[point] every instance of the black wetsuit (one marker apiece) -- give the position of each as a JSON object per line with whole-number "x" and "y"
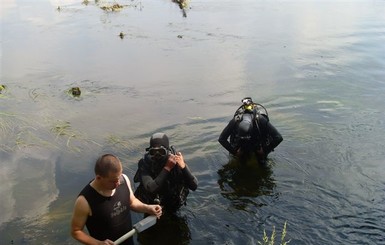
{"x": 264, "y": 135}
{"x": 111, "y": 216}
{"x": 157, "y": 185}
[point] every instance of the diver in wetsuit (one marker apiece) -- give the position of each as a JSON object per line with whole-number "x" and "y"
{"x": 163, "y": 175}
{"x": 250, "y": 132}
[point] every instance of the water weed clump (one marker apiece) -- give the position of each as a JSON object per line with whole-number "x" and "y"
{"x": 112, "y": 8}
{"x": 2, "y": 88}
{"x": 75, "y": 91}
{"x": 271, "y": 240}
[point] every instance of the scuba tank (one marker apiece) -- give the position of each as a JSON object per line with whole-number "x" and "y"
{"x": 245, "y": 127}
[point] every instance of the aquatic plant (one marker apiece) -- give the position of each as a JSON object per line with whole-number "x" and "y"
{"x": 183, "y": 4}
{"x": 19, "y": 132}
{"x": 113, "y": 8}
{"x": 64, "y": 129}
{"x": 26, "y": 137}
{"x": 75, "y": 91}
{"x": 271, "y": 240}
{"x": 5, "y": 124}
{"x": 2, "y": 88}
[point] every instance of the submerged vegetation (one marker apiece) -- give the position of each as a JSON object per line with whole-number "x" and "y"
{"x": 18, "y": 133}
{"x": 64, "y": 129}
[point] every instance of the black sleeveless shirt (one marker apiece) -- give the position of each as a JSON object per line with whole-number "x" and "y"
{"x": 111, "y": 216}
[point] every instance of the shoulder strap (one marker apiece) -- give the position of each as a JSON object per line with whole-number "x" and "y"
{"x": 239, "y": 113}
{"x": 256, "y": 119}
{"x": 124, "y": 179}
{"x": 261, "y": 110}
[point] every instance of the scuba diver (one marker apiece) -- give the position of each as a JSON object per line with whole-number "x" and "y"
{"x": 163, "y": 175}
{"x": 250, "y": 132}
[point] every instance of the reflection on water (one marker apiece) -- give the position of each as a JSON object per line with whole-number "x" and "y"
{"x": 241, "y": 180}
{"x": 28, "y": 183}
{"x": 170, "y": 229}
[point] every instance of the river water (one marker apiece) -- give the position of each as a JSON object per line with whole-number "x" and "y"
{"x": 317, "y": 66}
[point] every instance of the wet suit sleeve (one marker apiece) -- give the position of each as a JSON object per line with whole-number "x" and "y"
{"x": 153, "y": 185}
{"x": 272, "y": 134}
{"x": 191, "y": 181}
{"x": 223, "y": 138}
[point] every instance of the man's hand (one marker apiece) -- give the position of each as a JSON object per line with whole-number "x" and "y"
{"x": 171, "y": 162}
{"x": 155, "y": 210}
{"x": 180, "y": 160}
{"x": 106, "y": 242}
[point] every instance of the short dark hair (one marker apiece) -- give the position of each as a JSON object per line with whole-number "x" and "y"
{"x": 107, "y": 163}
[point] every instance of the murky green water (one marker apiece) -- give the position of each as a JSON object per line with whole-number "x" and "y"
{"x": 318, "y": 67}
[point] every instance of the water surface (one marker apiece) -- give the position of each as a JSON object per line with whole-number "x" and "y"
{"x": 317, "y": 66}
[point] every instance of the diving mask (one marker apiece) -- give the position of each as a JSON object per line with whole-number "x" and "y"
{"x": 158, "y": 151}
{"x": 247, "y": 101}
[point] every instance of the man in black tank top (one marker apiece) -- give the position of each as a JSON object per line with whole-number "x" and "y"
{"x": 104, "y": 205}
